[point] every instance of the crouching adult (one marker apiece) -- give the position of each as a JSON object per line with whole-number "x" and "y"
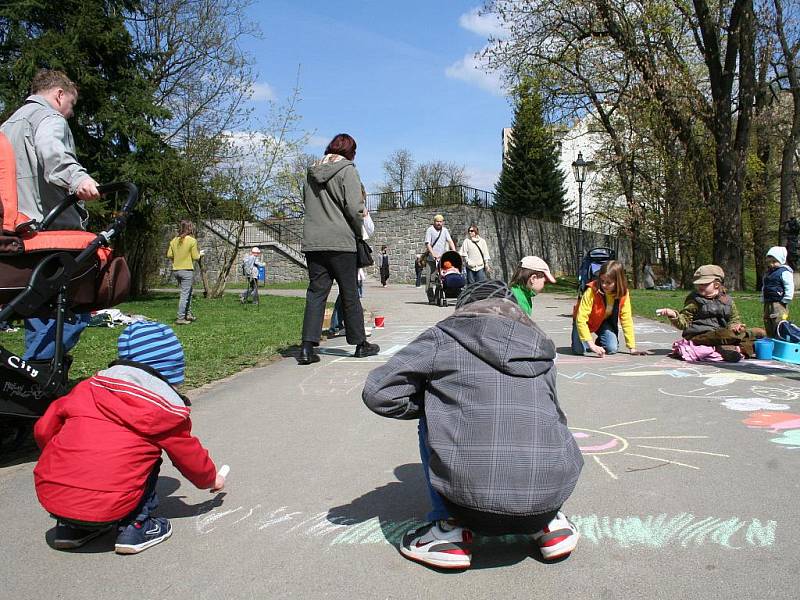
{"x": 496, "y": 452}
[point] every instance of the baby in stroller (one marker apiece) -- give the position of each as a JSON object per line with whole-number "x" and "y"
{"x": 448, "y": 280}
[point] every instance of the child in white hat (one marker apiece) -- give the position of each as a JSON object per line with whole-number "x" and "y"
{"x": 250, "y": 265}
{"x": 778, "y": 289}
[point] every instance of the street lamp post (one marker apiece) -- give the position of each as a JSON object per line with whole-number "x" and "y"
{"x": 579, "y": 169}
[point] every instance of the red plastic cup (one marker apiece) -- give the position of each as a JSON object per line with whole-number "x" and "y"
{"x": 379, "y": 322}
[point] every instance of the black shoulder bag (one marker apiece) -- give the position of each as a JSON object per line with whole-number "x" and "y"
{"x": 363, "y": 249}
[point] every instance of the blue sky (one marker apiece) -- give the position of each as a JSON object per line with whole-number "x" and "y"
{"x": 393, "y": 75}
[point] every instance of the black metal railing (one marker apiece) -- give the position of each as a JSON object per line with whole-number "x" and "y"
{"x": 436, "y": 196}
{"x": 276, "y": 232}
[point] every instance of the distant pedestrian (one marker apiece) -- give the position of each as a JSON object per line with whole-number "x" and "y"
{"x": 183, "y": 251}
{"x": 437, "y": 241}
{"x": 649, "y": 280}
{"x": 419, "y": 266}
{"x": 250, "y": 270}
{"x": 384, "y": 266}
{"x": 476, "y": 255}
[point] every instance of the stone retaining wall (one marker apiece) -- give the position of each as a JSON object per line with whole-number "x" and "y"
{"x": 508, "y": 237}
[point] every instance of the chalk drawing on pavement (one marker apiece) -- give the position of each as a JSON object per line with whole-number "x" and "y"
{"x": 683, "y": 530}
{"x": 787, "y": 424}
{"x": 599, "y": 443}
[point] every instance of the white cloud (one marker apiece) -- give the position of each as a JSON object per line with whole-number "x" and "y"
{"x": 262, "y": 92}
{"x": 318, "y": 141}
{"x": 472, "y": 70}
{"x": 486, "y": 25}
{"x": 483, "y": 179}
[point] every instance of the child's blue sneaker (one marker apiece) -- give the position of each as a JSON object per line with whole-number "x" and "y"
{"x": 140, "y": 536}
{"x": 69, "y": 537}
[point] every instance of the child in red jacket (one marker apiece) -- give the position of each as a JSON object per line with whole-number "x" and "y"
{"x": 101, "y": 445}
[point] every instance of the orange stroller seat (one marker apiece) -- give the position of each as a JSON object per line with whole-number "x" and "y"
{"x": 23, "y": 245}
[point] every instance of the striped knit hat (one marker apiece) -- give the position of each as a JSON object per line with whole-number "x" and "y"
{"x": 155, "y": 345}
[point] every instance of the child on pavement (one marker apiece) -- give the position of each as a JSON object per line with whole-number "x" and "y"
{"x": 528, "y": 280}
{"x": 496, "y": 451}
{"x": 777, "y": 290}
{"x": 603, "y": 307}
{"x": 101, "y": 445}
{"x": 250, "y": 265}
{"x": 710, "y": 318}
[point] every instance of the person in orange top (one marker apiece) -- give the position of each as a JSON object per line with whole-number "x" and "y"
{"x": 604, "y": 305}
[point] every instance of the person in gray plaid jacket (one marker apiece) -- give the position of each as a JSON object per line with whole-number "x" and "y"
{"x": 482, "y": 383}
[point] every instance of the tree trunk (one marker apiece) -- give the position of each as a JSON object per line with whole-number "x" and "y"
{"x": 791, "y": 141}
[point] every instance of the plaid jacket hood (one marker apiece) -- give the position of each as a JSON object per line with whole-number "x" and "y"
{"x": 512, "y": 344}
{"x": 484, "y": 379}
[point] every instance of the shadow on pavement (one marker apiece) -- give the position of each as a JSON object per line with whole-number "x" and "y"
{"x": 398, "y": 506}
{"x": 171, "y": 507}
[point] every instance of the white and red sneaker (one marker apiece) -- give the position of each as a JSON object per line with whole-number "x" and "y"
{"x": 558, "y": 538}
{"x": 445, "y": 546}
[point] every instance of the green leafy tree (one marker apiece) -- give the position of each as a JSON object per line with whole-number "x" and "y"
{"x": 531, "y": 183}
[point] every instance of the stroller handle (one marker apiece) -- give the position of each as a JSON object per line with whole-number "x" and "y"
{"x": 109, "y": 188}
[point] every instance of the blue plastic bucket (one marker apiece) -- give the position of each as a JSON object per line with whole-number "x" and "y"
{"x": 764, "y": 348}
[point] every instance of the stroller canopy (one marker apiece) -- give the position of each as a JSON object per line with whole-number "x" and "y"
{"x": 591, "y": 264}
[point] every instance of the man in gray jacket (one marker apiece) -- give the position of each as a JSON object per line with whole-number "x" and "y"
{"x": 47, "y": 171}
{"x": 496, "y": 451}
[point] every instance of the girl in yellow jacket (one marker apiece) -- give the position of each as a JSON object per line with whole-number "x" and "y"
{"x": 604, "y": 305}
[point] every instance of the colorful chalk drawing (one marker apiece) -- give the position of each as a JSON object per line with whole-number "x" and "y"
{"x": 682, "y": 530}
{"x": 772, "y": 396}
{"x": 599, "y": 442}
{"x": 788, "y": 423}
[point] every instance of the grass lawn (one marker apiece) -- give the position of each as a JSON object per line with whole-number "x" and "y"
{"x": 285, "y": 285}
{"x": 226, "y": 338}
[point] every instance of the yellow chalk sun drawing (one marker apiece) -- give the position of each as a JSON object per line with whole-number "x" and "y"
{"x": 600, "y": 442}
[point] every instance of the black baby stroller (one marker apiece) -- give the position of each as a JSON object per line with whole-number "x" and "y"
{"x": 590, "y": 266}
{"x": 444, "y": 286}
{"x": 49, "y": 274}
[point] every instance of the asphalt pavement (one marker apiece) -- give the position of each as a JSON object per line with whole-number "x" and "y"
{"x": 690, "y": 487}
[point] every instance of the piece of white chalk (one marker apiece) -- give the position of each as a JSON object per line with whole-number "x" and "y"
{"x": 224, "y": 470}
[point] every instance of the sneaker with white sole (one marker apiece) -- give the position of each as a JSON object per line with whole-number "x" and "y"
{"x": 69, "y": 537}
{"x": 447, "y": 548}
{"x": 558, "y": 538}
{"x": 140, "y": 536}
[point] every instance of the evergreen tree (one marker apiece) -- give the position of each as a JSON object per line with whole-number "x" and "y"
{"x": 531, "y": 183}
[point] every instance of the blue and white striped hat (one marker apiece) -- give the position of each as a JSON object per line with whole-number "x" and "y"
{"x": 155, "y": 345}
